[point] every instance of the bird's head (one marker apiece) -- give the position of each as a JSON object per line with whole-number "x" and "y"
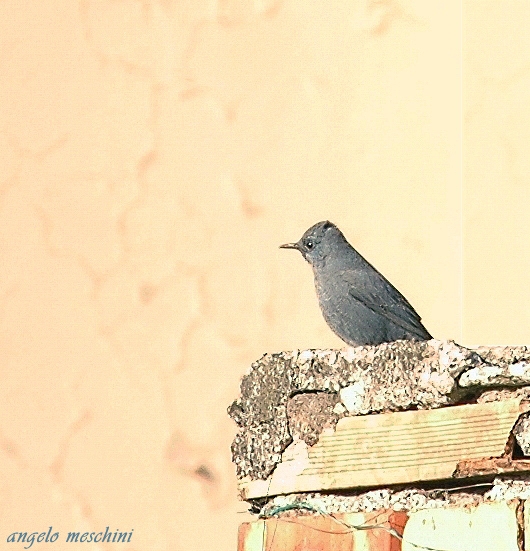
{"x": 318, "y": 242}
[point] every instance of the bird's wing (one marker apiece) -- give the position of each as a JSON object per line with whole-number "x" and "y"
{"x": 376, "y": 293}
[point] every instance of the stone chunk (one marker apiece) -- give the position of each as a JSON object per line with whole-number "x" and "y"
{"x": 521, "y": 430}
{"x": 516, "y": 374}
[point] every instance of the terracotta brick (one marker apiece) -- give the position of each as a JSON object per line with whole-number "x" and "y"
{"x": 324, "y": 533}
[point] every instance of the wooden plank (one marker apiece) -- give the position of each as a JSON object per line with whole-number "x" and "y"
{"x": 393, "y": 448}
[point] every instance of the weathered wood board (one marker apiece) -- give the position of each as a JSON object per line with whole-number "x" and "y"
{"x": 393, "y": 448}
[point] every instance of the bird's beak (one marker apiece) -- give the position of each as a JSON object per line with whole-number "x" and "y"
{"x": 290, "y": 246}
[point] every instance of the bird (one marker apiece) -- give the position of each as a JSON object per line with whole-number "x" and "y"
{"x": 358, "y": 303}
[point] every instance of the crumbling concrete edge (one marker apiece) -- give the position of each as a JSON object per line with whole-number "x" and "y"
{"x": 443, "y": 373}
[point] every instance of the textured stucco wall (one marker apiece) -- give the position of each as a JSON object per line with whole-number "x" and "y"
{"x": 154, "y": 154}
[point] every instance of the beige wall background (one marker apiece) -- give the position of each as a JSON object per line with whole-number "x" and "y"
{"x": 154, "y": 154}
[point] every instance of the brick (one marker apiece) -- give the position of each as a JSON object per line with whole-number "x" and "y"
{"x": 324, "y": 533}
{"x": 487, "y": 527}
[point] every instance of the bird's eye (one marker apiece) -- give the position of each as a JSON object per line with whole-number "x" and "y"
{"x": 309, "y": 244}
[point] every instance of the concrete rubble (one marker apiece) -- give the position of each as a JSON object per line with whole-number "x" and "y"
{"x": 412, "y": 499}
{"x": 295, "y": 395}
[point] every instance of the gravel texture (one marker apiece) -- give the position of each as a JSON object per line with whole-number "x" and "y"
{"x": 521, "y": 430}
{"x": 413, "y": 499}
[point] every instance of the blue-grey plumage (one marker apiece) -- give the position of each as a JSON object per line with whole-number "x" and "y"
{"x": 358, "y": 303}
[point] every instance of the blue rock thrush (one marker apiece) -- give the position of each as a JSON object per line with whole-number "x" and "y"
{"x": 359, "y": 304}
